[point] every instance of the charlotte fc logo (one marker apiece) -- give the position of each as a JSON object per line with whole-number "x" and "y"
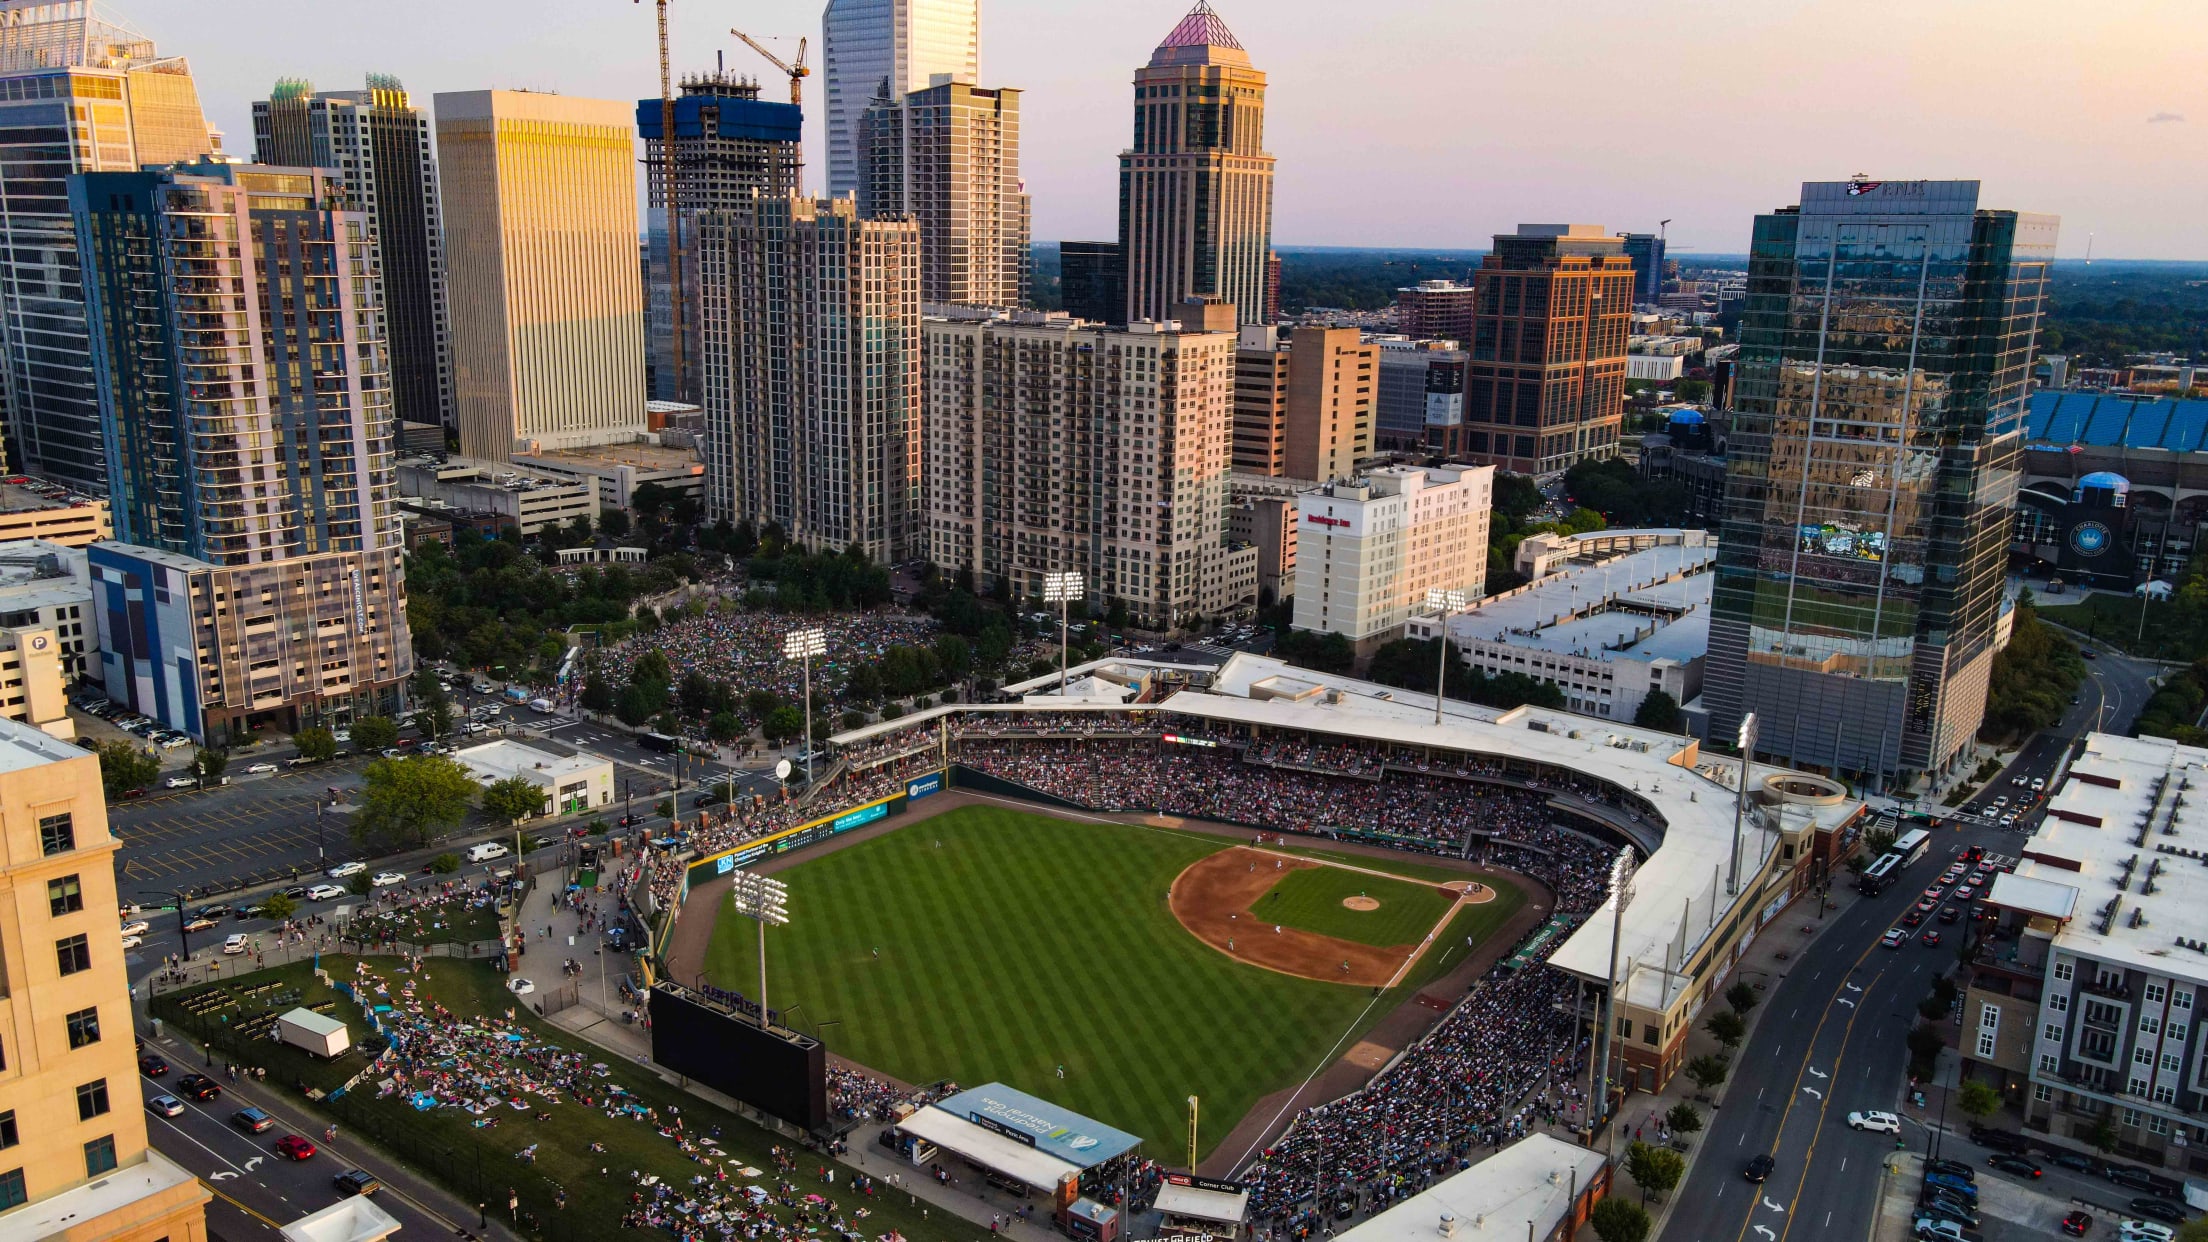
{"x": 2089, "y": 538}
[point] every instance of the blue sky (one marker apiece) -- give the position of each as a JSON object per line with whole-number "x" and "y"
{"x": 1406, "y": 123}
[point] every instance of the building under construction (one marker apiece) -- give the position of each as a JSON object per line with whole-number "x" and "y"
{"x": 729, "y": 145}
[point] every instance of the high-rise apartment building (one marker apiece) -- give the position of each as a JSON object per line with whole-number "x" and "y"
{"x": 256, "y": 573}
{"x": 1553, "y": 308}
{"x": 76, "y": 1163}
{"x": 1303, "y": 405}
{"x": 812, "y": 373}
{"x": 729, "y": 145}
{"x": 900, "y": 44}
{"x": 1879, "y": 401}
{"x": 949, "y": 157}
{"x": 78, "y": 93}
{"x": 1435, "y": 310}
{"x": 1059, "y": 446}
{"x": 379, "y": 141}
{"x": 539, "y": 195}
{"x": 1646, "y": 250}
{"x": 1092, "y": 281}
{"x": 1196, "y": 186}
{"x": 1368, "y": 549}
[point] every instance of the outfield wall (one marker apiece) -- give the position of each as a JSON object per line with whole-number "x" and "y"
{"x": 813, "y": 832}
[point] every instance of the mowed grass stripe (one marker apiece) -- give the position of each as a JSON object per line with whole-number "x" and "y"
{"x": 1027, "y": 941}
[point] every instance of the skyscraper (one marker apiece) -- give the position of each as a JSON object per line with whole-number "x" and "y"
{"x": 812, "y": 373}
{"x": 1885, "y": 353}
{"x": 540, "y": 230}
{"x": 78, "y": 93}
{"x": 729, "y": 145}
{"x": 900, "y": 45}
{"x": 1553, "y": 305}
{"x": 1196, "y": 188}
{"x": 1647, "y": 252}
{"x": 1092, "y": 281}
{"x": 379, "y": 141}
{"x": 1436, "y": 310}
{"x": 246, "y": 402}
{"x": 949, "y": 156}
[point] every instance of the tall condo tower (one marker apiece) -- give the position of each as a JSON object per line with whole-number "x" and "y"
{"x": 729, "y": 145}
{"x": 1196, "y": 189}
{"x": 379, "y": 142}
{"x": 897, "y": 45}
{"x": 1885, "y": 353}
{"x": 78, "y": 93}
{"x": 547, "y": 311}
{"x": 255, "y": 576}
{"x": 949, "y": 157}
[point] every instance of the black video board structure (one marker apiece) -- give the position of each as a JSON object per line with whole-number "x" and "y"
{"x": 778, "y": 1072}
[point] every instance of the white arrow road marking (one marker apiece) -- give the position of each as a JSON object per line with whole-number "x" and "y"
{"x": 220, "y": 1175}
{"x": 1818, "y": 1072}
{"x": 1853, "y": 988}
{"x": 1773, "y": 1206}
{"x": 1767, "y": 1233}
{"x": 252, "y": 1161}
{"x": 1814, "y": 1091}
{"x": 1845, "y": 1001}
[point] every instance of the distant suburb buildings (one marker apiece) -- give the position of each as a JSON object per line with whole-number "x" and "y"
{"x": 255, "y": 574}
{"x": 1879, "y": 402}
{"x": 547, "y": 307}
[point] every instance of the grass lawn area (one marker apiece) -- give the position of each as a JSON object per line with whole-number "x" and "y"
{"x": 455, "y": 923}
{"x": 1311, "y": 899}
{"x": 1012, "y": 943}
{"x": 477, "y": 1161}
{"x": 2114, "y": 619}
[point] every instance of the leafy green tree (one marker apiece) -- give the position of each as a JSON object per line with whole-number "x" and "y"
{"x": 407, "y": 803}
{"x": 1708, "y": 1071}
{"x": 1656, "y": 1170}
{"x": 782, "y": 724}
{"x": 597, "y": 693}
{"x": 1741, "y": 997}
{"x": 434, "y": 719}
{"x": 125, "y": 765}
{"x": 1684, "y": 1118}
{"x": 1978, "y": 1099}
{"x": 375, "y": 733}
{"x": 1729, "y": 1027}
{"x": 724, "y": 727}
{"x": 278, "y": 907}
{"x": 2195, "y": 1230}
{"x": 1619, "y": 1220}
{"x": 207, "y": 765}
{"x": 445, "y": 864}
{"x": 513, "y": 799}
{"x": 358, "y": 885}
{"x": 2102, "y": 1136}
{"x": 614, "y": 522}
{"x": 1660, "y": 711}
{"x": 315, "y": 742}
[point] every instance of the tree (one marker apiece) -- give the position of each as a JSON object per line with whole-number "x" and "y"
{"x": 1656, "y": 1170}
{"x": 434, "y": 719}
{"x": 375, "y": 733}
{"x": 597, "y": 694}
{"x": 124, "y": 766}
{"x": 410, "y": 802}
{"x": 1729, "y": 1027}
{"x": 1978, "y": 1099}
{"x": 724, "y": 727}
{"x": 1660, "y": 711}
{"x": 2103, "y": 1136}
{"x": 279, "y": 907}
{"x": 513, "y": 799}
{"x": 207, "y": 765}
{"x": 1685, "y": 1118}
{"x": 316, "y": 743}
{"x": 1741, "y": 997}
{"x": 445, "y": 864}
{"x": 782, "y": 724}
{"x": 614, "y": 522}
{"x": 1615, "y": 1219}
{"x": 1708, "y": 1071}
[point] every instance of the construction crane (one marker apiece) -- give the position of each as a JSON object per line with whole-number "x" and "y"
{"x": 671, "y": 201}
{"x": 797, "y": 72}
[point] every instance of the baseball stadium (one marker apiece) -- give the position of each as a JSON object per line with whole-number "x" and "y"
{"x": 1277, "y": 930}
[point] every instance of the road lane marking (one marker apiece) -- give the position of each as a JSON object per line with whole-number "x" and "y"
{"x": 1818, "y": 1072}
{"x": 1773, "y": 1206}
{"x": 1814, "y": 1091}
{"x": 1845, "y": 1001}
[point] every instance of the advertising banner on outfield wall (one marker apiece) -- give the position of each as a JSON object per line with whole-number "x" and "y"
{"x": 921, "y": 788}
{"x": 811, "y": 833}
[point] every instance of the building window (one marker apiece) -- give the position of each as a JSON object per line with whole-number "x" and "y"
{"x": 74, "y": 954}
{"x": 57, "y": 834}
{"x": 2158, "y": 1124}
{"x": 99, "y": 1156}
{"x": 2165, "y": 1095}
{"x": 2048, "y": 1063}
{"x": 2149, "y": 1024}
{"x": 2063, "y": 971}
{"x": 1985, "y": 1044}
{"x": 11, "y": 1190}
{"x": 2043, "y": 1093}
{"x": 2052, "y": 1033}
{"x": 2171, "y": 1062}
{"x": 64, "y": 896}
{"x": 9, "y": 1136}
{"x": 2142, "y": 1055}
{"x": 2175, "y": 1032}
{"x": 2137, "y": 1086}
{"x": 2058, "y": 1003}
{"x": 2156, "y": 992}
{"x": 2181, "y": 1000}
{"x": 84, "y": 1027}
{"x": 92, "y": 1099}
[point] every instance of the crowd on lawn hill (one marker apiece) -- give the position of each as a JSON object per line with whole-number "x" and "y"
{"x": 1509, "y": 1059}
{"x": 744, "y": 649}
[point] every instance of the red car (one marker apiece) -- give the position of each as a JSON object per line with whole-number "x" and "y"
{"x": 294, "y": 1147}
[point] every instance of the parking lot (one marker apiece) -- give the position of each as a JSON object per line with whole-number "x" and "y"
{"x": 257, "y": 828}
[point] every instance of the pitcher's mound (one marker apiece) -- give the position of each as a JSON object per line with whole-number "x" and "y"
{"x": 1361, "y": 902}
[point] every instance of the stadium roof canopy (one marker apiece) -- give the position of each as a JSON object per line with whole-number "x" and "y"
{"x": 1531, "y": 1181}
{"x": 989, "y": 1149}
{"x": 2117, "y": 420}
{"x": 1017, "y": 1134}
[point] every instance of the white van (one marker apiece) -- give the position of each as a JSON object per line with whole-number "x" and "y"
{"x": 487, "y": 851}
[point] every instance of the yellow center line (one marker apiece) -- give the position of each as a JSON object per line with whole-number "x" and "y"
{"x": 216, "y": 1191}
{"x": 1809, "y": 1158}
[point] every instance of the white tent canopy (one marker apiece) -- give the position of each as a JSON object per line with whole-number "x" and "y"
{"x": 988, "y": 1148}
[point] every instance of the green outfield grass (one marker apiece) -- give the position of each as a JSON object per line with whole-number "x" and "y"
{"x": 1312, "y": 898}
{"x": 1012, "y": 943}
{"x": 1393, "y": 865}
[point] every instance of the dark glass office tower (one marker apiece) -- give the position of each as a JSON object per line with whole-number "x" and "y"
{"x": 1885, "y": 345}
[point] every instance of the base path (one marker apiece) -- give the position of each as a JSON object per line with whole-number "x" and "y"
{"x": 1212, "y": 899}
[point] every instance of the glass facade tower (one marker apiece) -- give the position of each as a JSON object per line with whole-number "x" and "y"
{"x": 1885, "y": 348}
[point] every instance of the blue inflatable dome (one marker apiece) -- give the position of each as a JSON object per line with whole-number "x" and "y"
{"x": 2104, "y": 480}
{"x": 1689, "y": 417}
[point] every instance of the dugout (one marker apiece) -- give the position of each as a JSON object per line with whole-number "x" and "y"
{"x": 1021, "y": 1143}
{"x": 1194, "y": 1207}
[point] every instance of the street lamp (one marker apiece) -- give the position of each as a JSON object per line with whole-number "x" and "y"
{"x": 765, "y": 899}
{"x": 1443, "y": 603}
{"x": 1062, "y": 589}
{"x": 1747, "y": 743}
{"x": 804, "y": 645}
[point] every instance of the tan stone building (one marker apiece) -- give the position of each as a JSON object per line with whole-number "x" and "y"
{"x": 1368, "y": 550}
{"x": 547, "y": 306}
{"x": 34, "y": 509}
{"x": 74, "y": 1162}
{"x": 949, "y": 157}
{"x": 1304, "y": 403}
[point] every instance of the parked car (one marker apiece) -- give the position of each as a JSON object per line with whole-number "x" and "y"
{"x": 1946, "y": 1207}
{"x": 252, "y": 1120}
{"x": 344, "y": 869}
{"x": 324, "y": 892}
{"x": 166, "y": 1105}
{"x": 2144, "y": 1179}
{"x": 2012, "y": 1164}
{"x": 2080, "y": 1161}
{"x": 263, "y": 766}
{"x": 2000, "y": 1140}
{"x": 294, "y": 1147}
{"x": 2158, "y": 1209}
{"x": 2144, "y": 1231}
{"x": 1759, "y": 1168}
{"x": 1934, "y": 1228}
{"x": 356, "y": 1182}
{"x": 179, "y": 782}
{"x": 1968, "y": 1190}
{"x": 197, "y": 1087}
{"x": 1878, "y": 1122}
{"x": 1954, "y": 1168}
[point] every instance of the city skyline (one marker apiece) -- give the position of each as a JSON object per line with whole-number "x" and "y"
{"x": 2078, "y": 142}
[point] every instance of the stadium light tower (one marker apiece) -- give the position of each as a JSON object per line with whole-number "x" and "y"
{"x": 1621, "y": 892}
{"x": 1747, "y": 743}
{"x": 1062, "y": 589}
{"x": 1443, "y": 603}
{"x": 804, "y": 645}
{"x": 765, "y": 899}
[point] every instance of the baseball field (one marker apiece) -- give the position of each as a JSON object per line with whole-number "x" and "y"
{"x": 992, "y": 944}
